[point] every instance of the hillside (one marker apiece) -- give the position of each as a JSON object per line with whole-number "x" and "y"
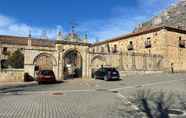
{"x": 174, "y": 16}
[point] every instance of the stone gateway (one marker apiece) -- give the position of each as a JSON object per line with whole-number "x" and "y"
{"x": 159, "y": 49}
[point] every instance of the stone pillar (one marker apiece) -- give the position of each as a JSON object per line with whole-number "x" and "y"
{"x": 59, "y": 53}
{"x": 89, "y": 71}
{"x": 28, "y": 60}
{"x": 86, "y": 70}
{"x": 59, "y": 68}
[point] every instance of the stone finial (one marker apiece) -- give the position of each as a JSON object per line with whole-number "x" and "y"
{"x": 59, "y": 36}
{"x": 85, "y": 38}
{"x": 30, "y": 34}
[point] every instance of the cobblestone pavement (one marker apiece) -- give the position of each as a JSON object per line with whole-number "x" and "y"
{"x": 82, "y": 99}
{"x": 77, "y": 105}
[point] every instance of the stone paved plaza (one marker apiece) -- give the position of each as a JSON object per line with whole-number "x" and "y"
{"x": 82, "y": 99}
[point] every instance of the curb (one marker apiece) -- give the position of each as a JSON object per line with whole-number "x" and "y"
{"x": 11, "y": 86}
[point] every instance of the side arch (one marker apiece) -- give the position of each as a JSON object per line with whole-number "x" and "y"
{"x": 45, "y": 61}
{"x": 97, "y": 61}
{"x": 98, "y": 57}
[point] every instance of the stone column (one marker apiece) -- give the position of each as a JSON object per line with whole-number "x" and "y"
{"x": 85, "y": 60}
{"x": 89, "y": 71}
{"x": 28, "y": 60}
{"x": 60, "y": 61}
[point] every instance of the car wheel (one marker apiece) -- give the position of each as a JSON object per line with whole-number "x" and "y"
{"x": 105, "y": 78}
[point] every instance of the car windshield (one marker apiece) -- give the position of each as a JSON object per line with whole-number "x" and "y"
{"x": 46, "y": 72}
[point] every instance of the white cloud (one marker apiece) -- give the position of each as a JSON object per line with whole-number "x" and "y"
{"x": 9, "y": 26}
{"x": 123, "y": 19}
{"x": 105, "y": 29}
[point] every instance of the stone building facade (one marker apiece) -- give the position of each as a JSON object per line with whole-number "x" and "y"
{"x": 159, "y": 48}
{"x": 156, "y": 49}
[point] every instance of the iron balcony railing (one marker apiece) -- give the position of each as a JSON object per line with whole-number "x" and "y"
{"x": 130, "y": 47}
{"x": 148, "y": 44}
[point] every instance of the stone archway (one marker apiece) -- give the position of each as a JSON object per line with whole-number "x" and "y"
{"x": 44, "y": 61}
{"x": 72, "y": 67}
{"x": 96, "y": 62}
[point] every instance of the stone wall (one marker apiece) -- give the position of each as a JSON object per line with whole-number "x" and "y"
{"x": 175, "y": 54}
{"x": 12, "y": 75}
{"x": 128, "y": 61}
{"x": 140, "y": 58}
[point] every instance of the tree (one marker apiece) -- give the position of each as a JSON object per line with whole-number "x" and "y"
{"x": 16, "y": 60}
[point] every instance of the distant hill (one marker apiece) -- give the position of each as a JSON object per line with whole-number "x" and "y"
{"x": 174, "y": 16}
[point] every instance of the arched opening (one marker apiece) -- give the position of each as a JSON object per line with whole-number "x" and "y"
{"x": 96, "y": 62}
{"x": 72, "y": 64}
{"x": 44, "y": 62}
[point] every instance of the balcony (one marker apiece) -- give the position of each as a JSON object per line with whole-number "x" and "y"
{"x": 115, "y": 51}
{"x": 182, "y": 43}
{"x": 130, "y": 47}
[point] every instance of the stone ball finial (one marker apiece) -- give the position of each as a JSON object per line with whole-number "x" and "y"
{"x": 30, "y": 34}
{"x": 59, "y": 36}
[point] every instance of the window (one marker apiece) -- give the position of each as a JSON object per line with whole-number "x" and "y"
{"x": 4, "y": 64}
{"x": 148, "y": 43}
{"x": 102, "y": 49}
{"x": 115, "y": 48}
{"x": 181, "y": 42}
{"x": 130, "y": 46}
{"x": 5, "y": 50}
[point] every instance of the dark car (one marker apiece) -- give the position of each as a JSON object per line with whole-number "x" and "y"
{"x": 107, "y": 73}
{"x": 46, "y": 76}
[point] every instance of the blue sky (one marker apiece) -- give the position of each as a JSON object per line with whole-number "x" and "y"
{"x": 101, "y": 19}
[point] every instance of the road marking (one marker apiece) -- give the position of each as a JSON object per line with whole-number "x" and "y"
{"x": 125, "y": 100}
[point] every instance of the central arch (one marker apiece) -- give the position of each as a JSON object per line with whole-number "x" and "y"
{"x": 44, "y": 61}
{"x": 72, "y": 64}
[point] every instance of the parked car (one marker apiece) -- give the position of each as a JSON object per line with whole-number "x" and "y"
{"x": 46, "y": 76}
{"x": 107, "y": 73}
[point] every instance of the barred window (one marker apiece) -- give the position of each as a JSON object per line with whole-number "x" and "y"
{"x": 148, "y": 43}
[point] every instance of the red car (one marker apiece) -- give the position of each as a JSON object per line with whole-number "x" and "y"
{"x": 46, "y": 76}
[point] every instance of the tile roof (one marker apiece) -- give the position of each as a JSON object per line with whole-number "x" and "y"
{"x": 150, "y": 30}
{"x": 15, "y": 40}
